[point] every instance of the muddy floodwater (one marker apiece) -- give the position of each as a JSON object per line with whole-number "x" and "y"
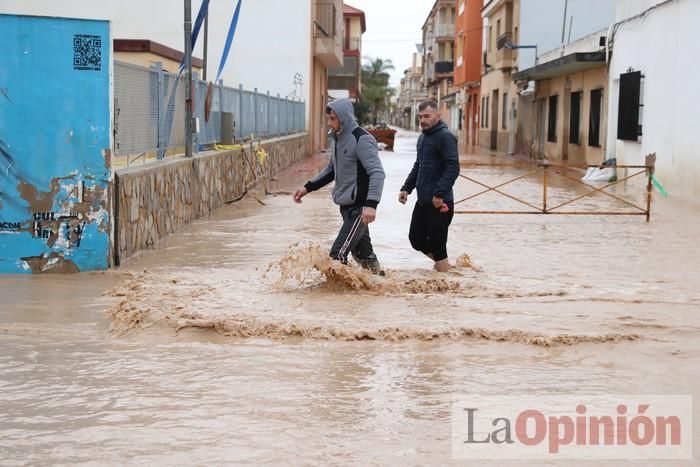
{"x": 236, "y": 341}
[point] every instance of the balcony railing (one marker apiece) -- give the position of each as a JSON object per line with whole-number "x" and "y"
{"x": 503, "y": 40}
{"x": 444, "y": 30}
{"x": 351, "y": 67}
{"x": 324, "y": 23}
{"x": 352, "y": 43}
{"x": 444, "y": 67}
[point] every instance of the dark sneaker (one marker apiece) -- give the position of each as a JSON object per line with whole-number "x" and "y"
{"x": 372, "y": 265}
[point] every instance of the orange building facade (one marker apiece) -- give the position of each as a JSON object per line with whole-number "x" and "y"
{"x": 467, "y": 70}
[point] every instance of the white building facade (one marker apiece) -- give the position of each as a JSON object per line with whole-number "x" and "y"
{"x": 654, "y": 68}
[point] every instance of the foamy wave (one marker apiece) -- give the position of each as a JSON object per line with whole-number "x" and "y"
{"x": 132, "y": 319}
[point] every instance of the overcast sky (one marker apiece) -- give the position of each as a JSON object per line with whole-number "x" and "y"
{"x": 393, "y": 30}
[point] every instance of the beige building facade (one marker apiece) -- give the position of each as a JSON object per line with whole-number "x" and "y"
{"x": 146, "y": 53}
{"x": 580, "y": 120}
{"x": 327, "y": 45}
{"x": 498, "y": 91}
{"x": 570, "y": 91}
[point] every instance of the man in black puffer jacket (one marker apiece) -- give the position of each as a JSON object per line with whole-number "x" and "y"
{"x": 434, "y": 173}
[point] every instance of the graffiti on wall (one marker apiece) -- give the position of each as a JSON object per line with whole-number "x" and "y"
{"x": 55, "y": 125}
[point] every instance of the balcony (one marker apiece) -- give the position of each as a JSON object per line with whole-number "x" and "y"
{"x": 352, "y": 44}
{"x": 351, "y": 67}
{"x": 346, "y": 77}
{"x": 503, "y": 40}
{"x": 444, "y": 31}
{"x": 504, "y": 59}
{"x": 326, "y": 26}
{"x": 443, "y": 68}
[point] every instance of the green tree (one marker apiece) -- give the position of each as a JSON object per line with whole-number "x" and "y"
{"x": 376, "y": 92}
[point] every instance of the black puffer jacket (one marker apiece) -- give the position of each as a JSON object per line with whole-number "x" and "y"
{"x": 437, "y": 165}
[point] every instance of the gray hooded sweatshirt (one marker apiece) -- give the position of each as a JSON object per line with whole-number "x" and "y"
{"x": 354, "y": 163}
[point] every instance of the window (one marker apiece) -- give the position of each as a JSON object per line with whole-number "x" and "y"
{"x": 459, "y": 50}
{"x": 487, "y": 112}
{"x": 486, "y": 118}
{"x": 552, "y": 128}
{"x": 483, "y": 106}
{"x": 575, "y": 118}
{"x": 628, "y": 127}
{"x": 594, "y": 119}
{"x": 504, "y": 114}
{"x": 490, "y": 37}
{"x": 498, "y": 28}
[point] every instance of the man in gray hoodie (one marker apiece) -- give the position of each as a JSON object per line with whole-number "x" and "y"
{"x": 359, "y": 179}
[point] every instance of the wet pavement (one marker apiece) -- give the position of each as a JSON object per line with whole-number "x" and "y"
{"x": 235, "y": 341}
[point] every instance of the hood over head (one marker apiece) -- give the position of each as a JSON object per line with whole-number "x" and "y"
{"x": 346, "y": 114}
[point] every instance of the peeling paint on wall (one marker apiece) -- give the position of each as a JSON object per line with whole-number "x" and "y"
{"x": 54, "y": 128}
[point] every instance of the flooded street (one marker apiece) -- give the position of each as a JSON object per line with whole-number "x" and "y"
{"x": 225, "y": 345}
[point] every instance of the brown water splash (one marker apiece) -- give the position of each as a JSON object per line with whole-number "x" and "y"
{"x": 309, "y": 265}
{"x": 465, "y": 262}
{"x": 147, "y": 300}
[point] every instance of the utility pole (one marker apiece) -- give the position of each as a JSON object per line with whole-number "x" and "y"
{"x": 563, "y": 28}
{"x": 188, "y": 78}
{"x": 206, "y": 40}
{"x": 571, "y": 25}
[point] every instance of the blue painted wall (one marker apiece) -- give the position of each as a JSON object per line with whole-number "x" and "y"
{"x": 54, "y": 128}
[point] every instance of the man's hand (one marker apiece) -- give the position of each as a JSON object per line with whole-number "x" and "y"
{"x": 438, "y": 202}
{"x": 368, "y": 215}
{"x": 403, "y": 197}
{"x": 299, "y": 194}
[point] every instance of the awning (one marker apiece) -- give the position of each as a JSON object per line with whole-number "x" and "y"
{"x": 567, "y": 65}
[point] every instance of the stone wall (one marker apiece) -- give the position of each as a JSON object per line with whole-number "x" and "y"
{"x": 156, "y": 200}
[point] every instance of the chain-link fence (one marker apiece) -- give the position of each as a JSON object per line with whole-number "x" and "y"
{"x": 149, "y": 112}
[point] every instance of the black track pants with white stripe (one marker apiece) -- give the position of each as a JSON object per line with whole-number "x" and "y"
{"x": 353, "y": 237}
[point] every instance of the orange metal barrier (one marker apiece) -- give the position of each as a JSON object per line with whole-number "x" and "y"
{"x": 545, "y": 168}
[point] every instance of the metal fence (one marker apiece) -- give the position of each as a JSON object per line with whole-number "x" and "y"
{"x": 149, "y": 111}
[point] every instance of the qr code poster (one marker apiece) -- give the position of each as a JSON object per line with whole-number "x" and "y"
{"x": 87, "y": 52}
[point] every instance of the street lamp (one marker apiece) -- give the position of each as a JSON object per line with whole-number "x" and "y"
{"x": 510, "y": 45}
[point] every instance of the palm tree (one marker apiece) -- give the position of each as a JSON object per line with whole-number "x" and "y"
{"x": 375, "y": 84}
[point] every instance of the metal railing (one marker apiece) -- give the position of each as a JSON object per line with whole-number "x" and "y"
{"x": 444, "y": 30}
{"x": 547, "y": 170}
{"x": 352, "y": 43}
{"x": 351, "y": 67}
{"x": 149, "y": 112}
{"x": 503, "y": 40}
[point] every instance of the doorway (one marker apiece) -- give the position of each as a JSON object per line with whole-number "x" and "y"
{"x": 541, "y": 127}
{"x": 494, "y": 120}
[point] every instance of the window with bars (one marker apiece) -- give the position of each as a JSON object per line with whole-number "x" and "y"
{"x": 595, "y": 117}
{"x": 575, "y": 118}
{"x": 552, "y": 120}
